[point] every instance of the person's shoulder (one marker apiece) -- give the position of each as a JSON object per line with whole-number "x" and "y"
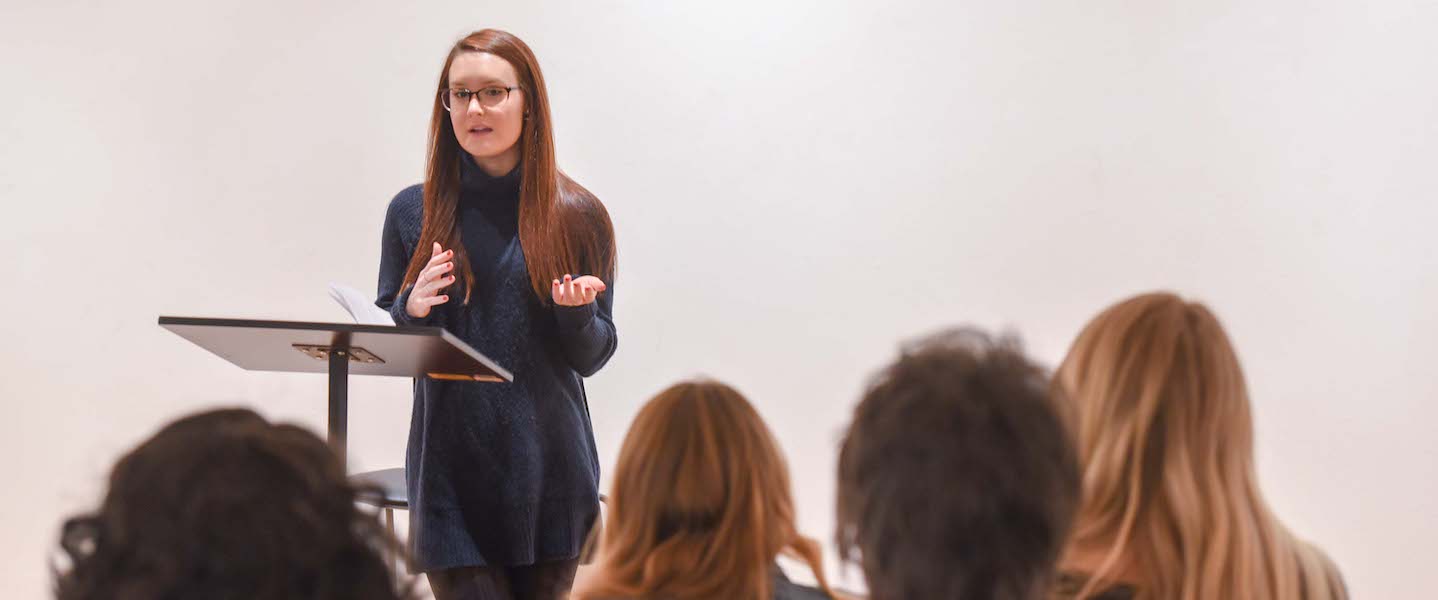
{"x": 572, "y": 193}
{"x": 793, "y": 591}
{"x": 407, "y": 207}
{"x": 784, "y": 589}
{"x": 1320, "y": 572}
{"x": 1068, "y": 584}
{"x": 581, "y": 208}
{"x": 409, "y": 199}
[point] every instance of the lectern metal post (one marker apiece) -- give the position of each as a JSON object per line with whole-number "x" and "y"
{"x": 339, "y": 400}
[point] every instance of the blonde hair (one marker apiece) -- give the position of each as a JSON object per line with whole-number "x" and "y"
{"x": 1160, "y": 413}
{"x": 700, "y": 504}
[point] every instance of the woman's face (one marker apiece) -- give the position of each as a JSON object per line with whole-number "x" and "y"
{"x": 487, "y": 121}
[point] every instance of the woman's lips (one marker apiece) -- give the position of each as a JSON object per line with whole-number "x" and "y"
{"x": 480, "y": 130}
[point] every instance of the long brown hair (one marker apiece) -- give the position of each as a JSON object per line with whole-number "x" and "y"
{"x": 1160, "y": 413}
{"x": 563, "y": 228}
{"x": 700, "y": 505}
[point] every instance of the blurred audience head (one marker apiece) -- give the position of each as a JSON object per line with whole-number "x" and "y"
{"x": 957, "y": 478}
{"x": 1158, "y": 407}
{"x": 225, "y": 505}
{"x": 700, "y": 505}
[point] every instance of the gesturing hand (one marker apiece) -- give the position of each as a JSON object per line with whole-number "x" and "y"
{"x": 432, "y": 280}
{"x": 576, "y": 292}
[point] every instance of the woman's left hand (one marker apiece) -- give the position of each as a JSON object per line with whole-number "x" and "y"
{"x": 576, "y": 292}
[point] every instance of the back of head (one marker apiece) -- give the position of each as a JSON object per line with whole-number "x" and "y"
{"x": 1160, "y": 413}
{"x": 700, "y": 504}
{"x": 956, "y": 477}
{"x": 225, "y": 505}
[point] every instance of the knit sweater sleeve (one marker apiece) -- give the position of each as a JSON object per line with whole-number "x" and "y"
{"x": 402, "y": 222}
{"x": 587, "y": 332}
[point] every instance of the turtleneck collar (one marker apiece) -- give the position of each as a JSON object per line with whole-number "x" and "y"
{"x": 473, "y": 179}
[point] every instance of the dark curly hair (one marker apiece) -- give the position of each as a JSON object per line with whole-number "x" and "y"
{"x": 957, "y": 477}
{"x": 225, "y": 505}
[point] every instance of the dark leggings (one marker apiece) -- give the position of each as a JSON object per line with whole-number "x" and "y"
{"x": 544, "y": 581}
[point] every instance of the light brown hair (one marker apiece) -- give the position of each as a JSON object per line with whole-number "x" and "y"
{"x": 700, "y": 506}
{"x": 1160, "y": 413}
{"x": 563, "y": 228}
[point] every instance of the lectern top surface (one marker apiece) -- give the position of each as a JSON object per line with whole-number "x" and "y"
{"x": 403, "y": 351}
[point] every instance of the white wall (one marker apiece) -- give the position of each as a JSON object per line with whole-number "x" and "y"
{"x": 796, "y": 187}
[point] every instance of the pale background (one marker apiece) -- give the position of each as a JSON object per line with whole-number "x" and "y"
{"x": 797, "y": 187}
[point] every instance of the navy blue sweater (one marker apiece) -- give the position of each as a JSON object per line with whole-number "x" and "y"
{"x": 498, "y": 473}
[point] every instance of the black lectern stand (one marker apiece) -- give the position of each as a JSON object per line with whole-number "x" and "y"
{"x": 338, "y": 349}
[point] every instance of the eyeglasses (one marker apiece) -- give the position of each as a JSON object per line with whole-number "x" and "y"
{"x": 489, "y": 97}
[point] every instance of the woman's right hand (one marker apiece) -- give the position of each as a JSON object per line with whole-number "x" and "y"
{"x": 432, "y": 280}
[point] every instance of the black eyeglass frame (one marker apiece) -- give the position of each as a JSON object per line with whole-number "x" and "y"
{"x": 444, "y": 95}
